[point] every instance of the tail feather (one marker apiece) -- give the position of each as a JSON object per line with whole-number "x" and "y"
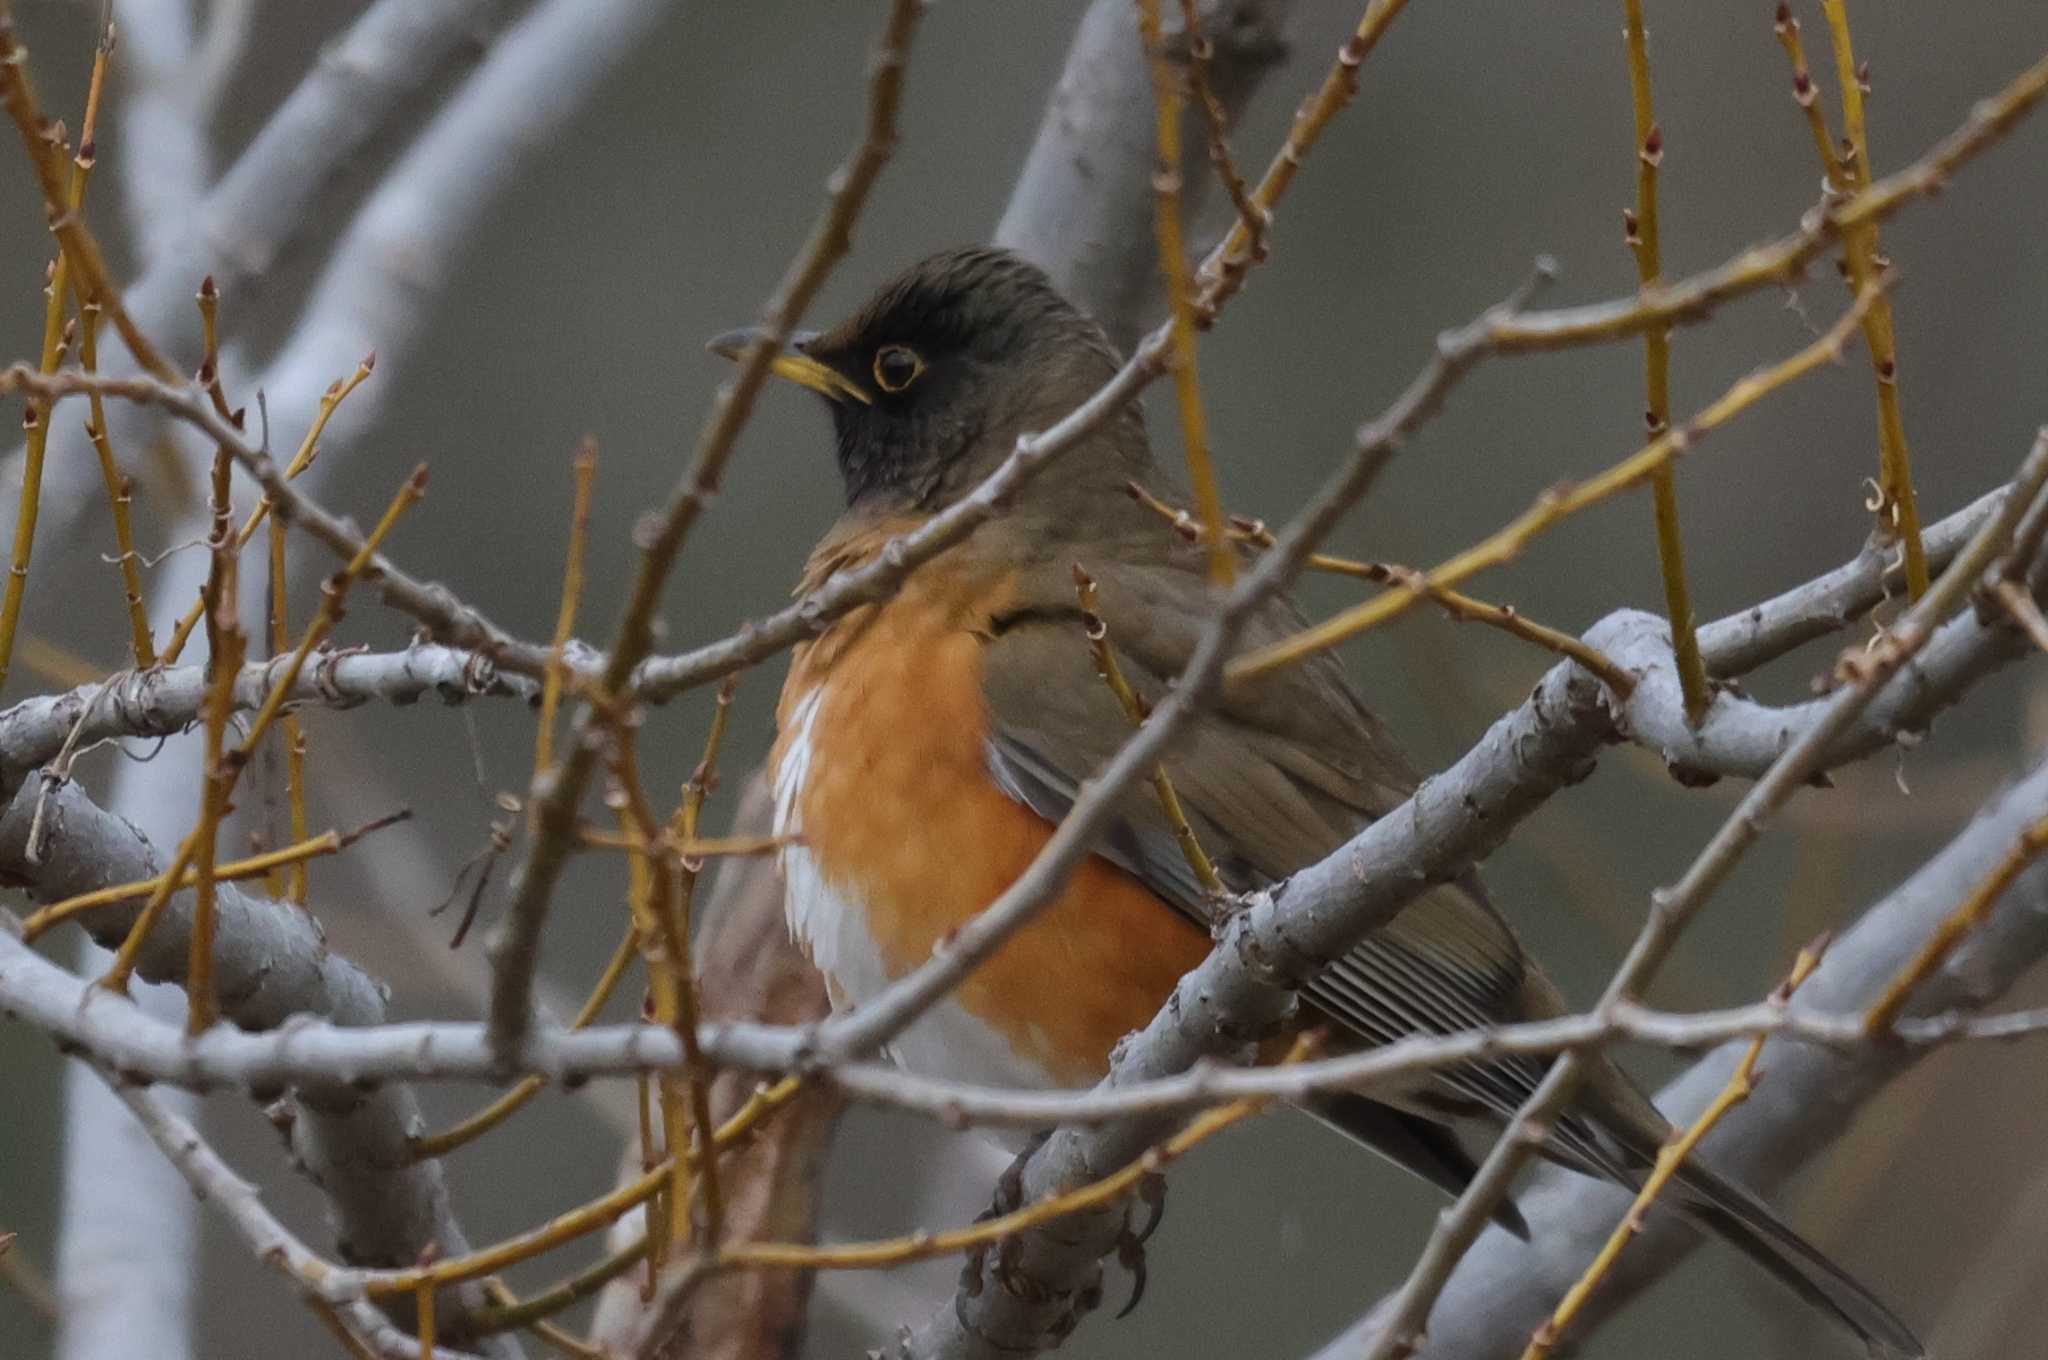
{"x": 1748, "y": 1224}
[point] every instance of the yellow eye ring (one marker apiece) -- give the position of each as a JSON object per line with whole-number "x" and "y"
{"x": 896, "y": 367}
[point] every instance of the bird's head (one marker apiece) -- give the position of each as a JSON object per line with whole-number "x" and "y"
{"x": 931, "y": 382}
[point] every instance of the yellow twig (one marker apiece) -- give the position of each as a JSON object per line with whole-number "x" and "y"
{"x": 1250, "y": 215}
{"x": 1173, "y": 264}
{"x": 708, "y": 847}
{"x": 1136, "y": 710}
{"x": 226, "y": 645}
{"x": 1253, "y": 533}
{"x": 120, "y": 493}
{"x": 584, "y": 466}
{"x": 255, "y": 866}
{"x": 1223, "y": 272}
{"x": 1807, "y": 96}
{"x": 583, "y": 1220}
{"x": 702, "y": 780}
{"x": 505, "y": 1303}
{"x": 424, "y": 1306}
{"x": 921, "y": 1246}
{"x": 21, "y": 1275}
{"x": 508, "y": 1312}
{"x": 1645, "y": 238}
{"x": 297, "y": 885}
{"x": 309, "y": 449}
{"x": 2019, "y": 603}
{"x": 209, "y": 360}
{"x": 1558, "y": 503}
{"x": 45, "y": 149}
{"x": 652, "y": 894}
{"x": 498, "y": 1111}
{"x": 36, "y": 418}
{"x": 1898, "y": 506}
{"x": 895, "y": 1251}
{"x": 333, "y": 592}
{"x": 1669, "y": 1160}
{"x": 1969, "y": 914}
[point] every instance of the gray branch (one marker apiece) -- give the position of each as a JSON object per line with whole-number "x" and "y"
{"x": 1082, "y": 208}
{"x": 1503, "y": 1288}
{"x": 271, "y": 963}
{"x": 111, "y": 1031}
{"x": 213, "y": 1180}
{"x": 1247, "y": 984}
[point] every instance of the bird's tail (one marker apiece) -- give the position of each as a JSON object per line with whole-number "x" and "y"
{"x": 1748, "y": 1224}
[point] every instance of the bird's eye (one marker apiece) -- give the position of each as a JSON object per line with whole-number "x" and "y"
{"x": 896, "y": 367}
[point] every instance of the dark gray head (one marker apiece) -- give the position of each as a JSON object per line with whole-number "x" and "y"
{"x": 931, "y": 382}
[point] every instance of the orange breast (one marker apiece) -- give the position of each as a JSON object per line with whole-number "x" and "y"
{"x": 897, "y": 807}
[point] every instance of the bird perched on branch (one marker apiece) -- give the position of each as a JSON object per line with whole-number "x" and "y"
{"x": 928, "y": 745}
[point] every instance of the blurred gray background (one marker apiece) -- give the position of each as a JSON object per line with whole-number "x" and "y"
{"x": 1484, "y": 135}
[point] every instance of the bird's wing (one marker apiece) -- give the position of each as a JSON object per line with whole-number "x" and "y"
{"x": 1274, "y": 777}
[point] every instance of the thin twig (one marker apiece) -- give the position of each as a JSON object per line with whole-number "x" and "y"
{"x": 1255, "y": 220}
{"x": 1180, "y": 291}
{"x": 514, "y": 948}
{"x": 1898, "y": 510}
{"x": 1807, "y": 95}
{"x": 1253, "y": 533}
{"x": 36, "y": 420}
{"x": 1507, "y": 331}
{"x": 1671, "y": 909}
{"x": 225, "y": 645}
{"x": 1136, "y": 711}
{"x": 1645, "y": 239}
{"x": 505, "y": 1106}
{"x": 255, "y": 866}
{"x": 120, "y": 493}
{"x": 1222, "y": 274}
{"x": 1560, "y": 502}
{"x": 584, "y": 470}
{"x": 698, "y": 1070}
{"x": 1669, "y": 1158}
{"x": 309, "y": 449}
{"x": 1969, "y": 914}
{"x": 333, "y": 592}
{"x": 45, "y": 155}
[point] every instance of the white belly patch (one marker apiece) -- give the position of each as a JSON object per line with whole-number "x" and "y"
{"x": 828, "y": 920}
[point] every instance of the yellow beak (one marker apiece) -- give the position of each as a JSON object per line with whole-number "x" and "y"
{"x": 792, "y": 363}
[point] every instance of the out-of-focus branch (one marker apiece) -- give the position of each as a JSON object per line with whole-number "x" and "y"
{"x": 271, "y": 963}
{"x": 165, "y": 158}
{"x": 264, "y": 206}
{"x": 1504, "y": 1287}
{"x": 1082, "y": 206}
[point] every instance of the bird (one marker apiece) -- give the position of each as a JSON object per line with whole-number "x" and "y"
{"x": 927, "y": 745}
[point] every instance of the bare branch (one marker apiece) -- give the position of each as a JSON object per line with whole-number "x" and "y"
{"x": 1504, "y": 1287}
{"x": 271, "y": 964}
{"x": 1082, "y": 206}
{"x": 159, "y": 703}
